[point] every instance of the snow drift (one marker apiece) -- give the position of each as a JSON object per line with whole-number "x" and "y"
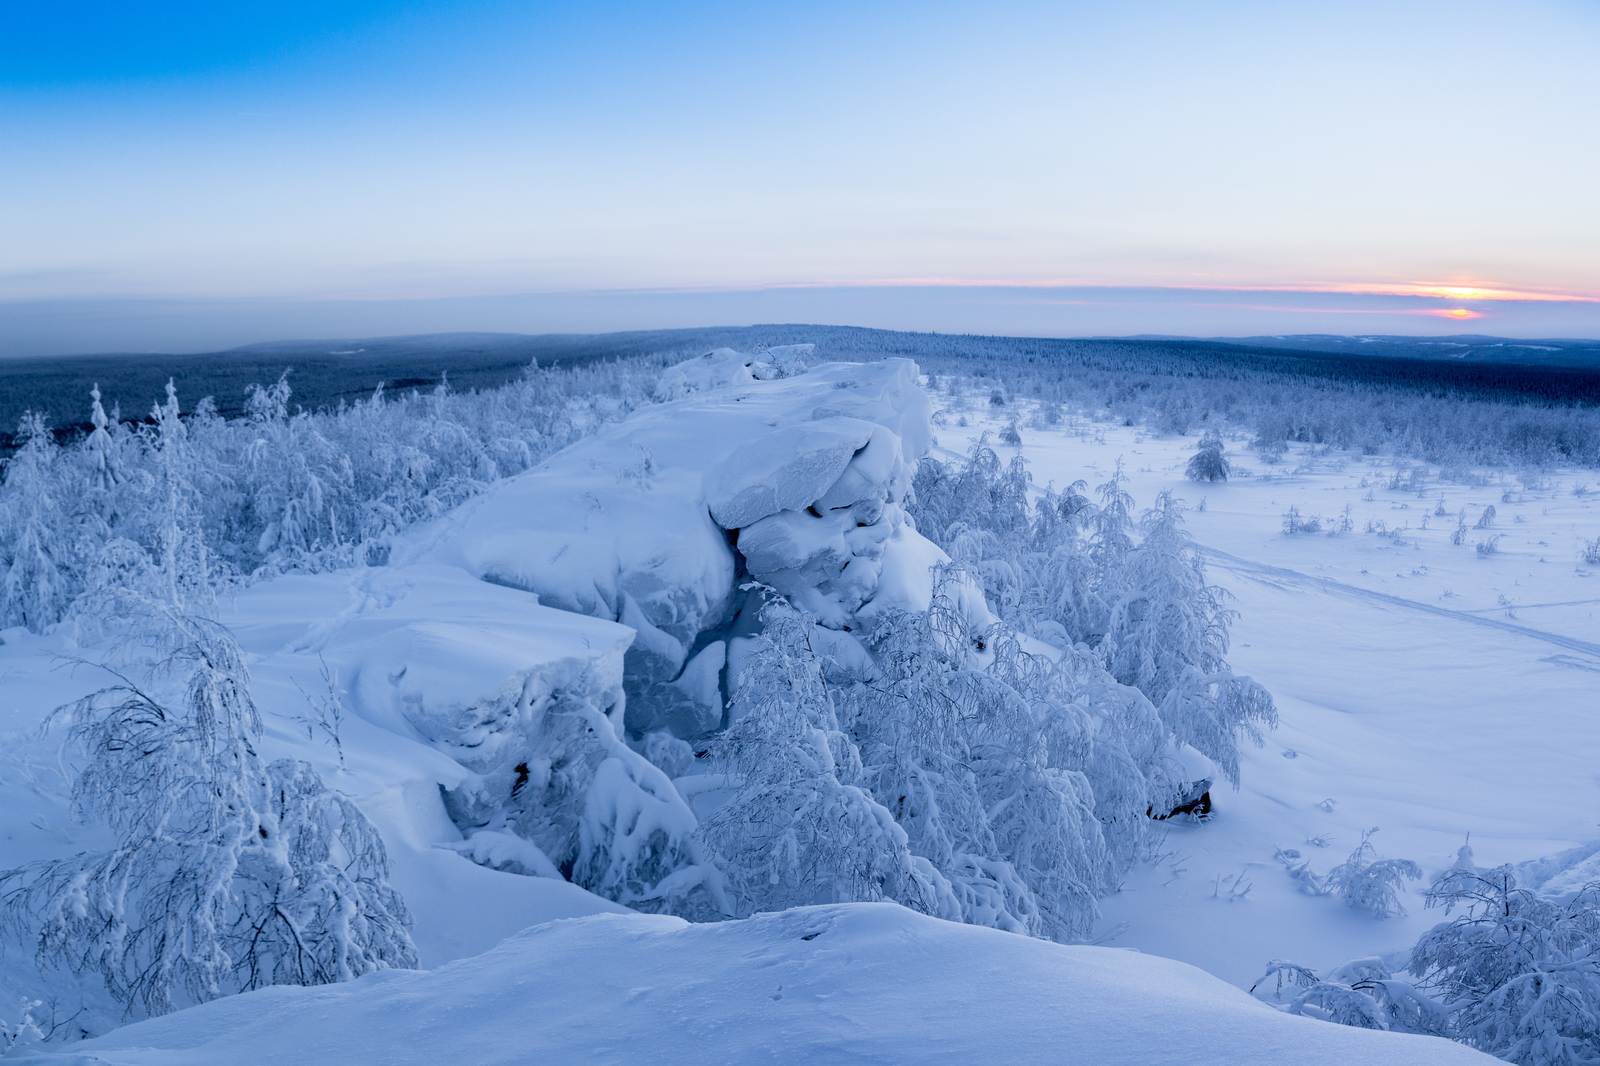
{"x": 851, "y": 983}
{"x": 752, "y": 470}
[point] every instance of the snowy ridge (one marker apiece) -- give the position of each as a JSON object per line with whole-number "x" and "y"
{"x": 803, "y": 472}
{"x": 852, "y": 983}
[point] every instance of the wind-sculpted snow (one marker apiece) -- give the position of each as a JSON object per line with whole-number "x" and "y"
{"x": 794, "y": 479}
{"x": 529, "y": 699}
{"x": 856, "y": 983}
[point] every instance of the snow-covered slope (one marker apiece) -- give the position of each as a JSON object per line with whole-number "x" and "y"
{"x": 852, "y": 983}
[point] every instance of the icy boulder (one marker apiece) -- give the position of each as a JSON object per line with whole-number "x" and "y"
{"x": 754, "y": 470}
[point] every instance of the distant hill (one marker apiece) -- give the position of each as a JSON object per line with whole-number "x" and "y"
{"x": 324, "y": 373}
{"x": 1467, "y": 347}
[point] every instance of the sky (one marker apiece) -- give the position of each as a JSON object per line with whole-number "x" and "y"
{"x": 181, "y": 176}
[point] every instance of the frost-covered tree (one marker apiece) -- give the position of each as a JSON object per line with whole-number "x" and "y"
{"x": 1519, "y": 973}
{"x": 1076, "y": 573}
{"x": 799, "y": 828}
{"x": 226, "y": 873}
{"x": 1208, "y": 463}
{"x": 1166, "y": 634}
{"x": 964, "y": 762}
{"x": 36, "y": 545}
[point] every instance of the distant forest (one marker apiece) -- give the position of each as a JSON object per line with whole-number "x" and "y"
{"x": 1460, "y": 411}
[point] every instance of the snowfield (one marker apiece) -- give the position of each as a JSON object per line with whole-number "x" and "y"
{"x": 1423, "y": 688}
{"x": 852, "y": 983}
{"x": 520, "y": 701}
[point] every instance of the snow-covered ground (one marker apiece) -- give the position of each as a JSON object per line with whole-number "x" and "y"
{"x": 1424, "y": 688}
{"x": 855, "y": 983}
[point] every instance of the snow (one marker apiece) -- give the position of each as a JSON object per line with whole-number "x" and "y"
{"x": 1409, "y": 695}
{"x": 804, "y": 472}
{"x": 1453, "y": 697}
{"x": 847, "y": 983}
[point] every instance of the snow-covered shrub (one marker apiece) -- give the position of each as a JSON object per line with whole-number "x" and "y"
{"x": 1208, "y": 463}
{"x": 1366, "y": 882}
{"x": 227, "y": 874}
{"x": 1294, "y": 523}
{"x": 1485, "y": 520}
{"x": 1518, "y": 973}
{"x": 1362, "y": 993}
{"x": 591, "y": 809}
{"x": 1489, "y": 546}
{"x": 1589, "y": 550}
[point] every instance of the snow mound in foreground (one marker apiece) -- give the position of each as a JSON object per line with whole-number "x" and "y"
{"x": 850, "y": 983}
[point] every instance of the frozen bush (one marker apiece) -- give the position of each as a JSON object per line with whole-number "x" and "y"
{"x": 1295, "y": 523}
{"x": 1516, "y": 972}
{"x": 1362, "y": 993}
{"x": 1369, "y": 883}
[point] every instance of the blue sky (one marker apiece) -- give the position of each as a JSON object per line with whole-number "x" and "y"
{"x": 1073, "y": 169}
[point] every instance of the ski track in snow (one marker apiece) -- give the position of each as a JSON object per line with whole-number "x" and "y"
{"x": 1278, "y": 576}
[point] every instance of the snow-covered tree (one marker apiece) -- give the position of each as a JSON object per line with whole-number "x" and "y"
{"x": 799, "y": 828}
{"x": 1519, "y": 973}
{"x": 226, "y": 874}
{"x": 1208, "y": 463}
{"x": 36, "y": 546}
{"x": 1167, "y": 634}
{"x": 963, "y": 761}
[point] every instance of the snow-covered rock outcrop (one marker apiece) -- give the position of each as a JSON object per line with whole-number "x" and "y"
{"x": 753, "y": 470}
{"x": 852, "y": 983}
{"x": 529, "y": 700}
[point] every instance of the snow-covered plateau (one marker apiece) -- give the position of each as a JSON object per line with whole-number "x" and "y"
{"x": 542, "y": 700}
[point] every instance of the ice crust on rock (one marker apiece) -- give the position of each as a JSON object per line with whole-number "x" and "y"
{"x": 751, "y": 468}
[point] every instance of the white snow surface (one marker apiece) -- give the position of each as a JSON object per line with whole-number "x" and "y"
{"x": 1423, "y": 688}
{"x": 851, "y": 983}
{"x": 634, "y": 524}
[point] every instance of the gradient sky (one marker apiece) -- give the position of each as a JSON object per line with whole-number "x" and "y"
{"x": 1352, "y": 167}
